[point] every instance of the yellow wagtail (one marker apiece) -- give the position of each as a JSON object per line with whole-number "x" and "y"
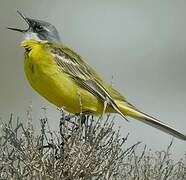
{"x": 60, "y": 75}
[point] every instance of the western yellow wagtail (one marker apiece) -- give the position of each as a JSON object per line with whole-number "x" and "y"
{"x": 61, "y": 76}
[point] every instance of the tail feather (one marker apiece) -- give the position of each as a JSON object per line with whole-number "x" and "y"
{"x": 129, "y": 110}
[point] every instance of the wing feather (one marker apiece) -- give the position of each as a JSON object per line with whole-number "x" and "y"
{"x": 83, "y": 74}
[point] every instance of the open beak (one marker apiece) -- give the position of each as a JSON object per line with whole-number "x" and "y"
{"x": 21, "y": 30}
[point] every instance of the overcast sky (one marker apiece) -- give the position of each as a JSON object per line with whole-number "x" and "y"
{"x": 141, "y": 44}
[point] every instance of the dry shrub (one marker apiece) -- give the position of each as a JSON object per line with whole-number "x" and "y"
{"x": 83, "y": 148}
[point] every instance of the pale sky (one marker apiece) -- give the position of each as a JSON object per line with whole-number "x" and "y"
{"x": 141, "y": 44}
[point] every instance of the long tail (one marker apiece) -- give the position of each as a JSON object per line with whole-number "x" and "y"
{"x": 128, "y": 110}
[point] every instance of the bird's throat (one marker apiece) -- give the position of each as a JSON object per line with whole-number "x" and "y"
{"x": 31, "y": 35}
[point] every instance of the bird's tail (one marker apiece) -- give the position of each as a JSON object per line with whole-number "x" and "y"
{"x": 129, "y": 110}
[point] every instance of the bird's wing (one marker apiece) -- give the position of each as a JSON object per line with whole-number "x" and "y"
{"x": 73, "y": 65}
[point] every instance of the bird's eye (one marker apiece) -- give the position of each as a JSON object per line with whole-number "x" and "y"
{"x": 38, "y": 28}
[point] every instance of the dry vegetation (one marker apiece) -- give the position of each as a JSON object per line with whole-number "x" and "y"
{"x": 83, "y": 148}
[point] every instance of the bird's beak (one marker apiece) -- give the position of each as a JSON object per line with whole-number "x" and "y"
{"x": 21, "y": 30}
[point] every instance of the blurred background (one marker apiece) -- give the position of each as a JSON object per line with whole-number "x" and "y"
{"x": 138, "y": 45}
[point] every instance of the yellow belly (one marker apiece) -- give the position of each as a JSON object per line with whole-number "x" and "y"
{"x": 57, "y": 87}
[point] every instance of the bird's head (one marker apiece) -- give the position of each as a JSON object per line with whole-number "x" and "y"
{"x": 38, "y": 29}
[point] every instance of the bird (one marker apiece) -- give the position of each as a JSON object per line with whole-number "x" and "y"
{"x": 61, "y": 76}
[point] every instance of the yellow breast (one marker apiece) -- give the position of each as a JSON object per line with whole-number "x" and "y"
{"x": 52, "y": 83}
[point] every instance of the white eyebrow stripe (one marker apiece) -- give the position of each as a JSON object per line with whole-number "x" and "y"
{"x": 46, "y": 29}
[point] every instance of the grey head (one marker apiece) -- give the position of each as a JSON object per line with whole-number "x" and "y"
{"x": 38, "y": 29}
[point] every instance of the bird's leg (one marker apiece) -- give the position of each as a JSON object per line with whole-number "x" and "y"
{"x": 84, "y": 116}
{"x": 69, "y": 117}
{"x": 64, "y": 116}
